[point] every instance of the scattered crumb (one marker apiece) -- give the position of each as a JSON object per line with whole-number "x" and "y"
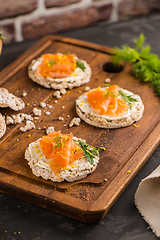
{"x": 56, "y": 101}
{"x": 48, "y": 113}
{"x": 27, "y": 116}
{"x": 37, "y": 112}
{"x": 107, "y": 80}
{"x": 57, "y": 94}
{"x": 75, "y": 121}
{"x": 87, "y": 89}
{"x": 63, "y": 91}
{"x": 17, "y": 118}
{"x": 9, "y": 120}
{"x": 42, "y": 104}
{"x": 49, "y": 130}
{"x": 29, "y": 125}
{"x": 61, "y": 118}
{"x": 24, "y": 94}
{"x": 63, "y": 107}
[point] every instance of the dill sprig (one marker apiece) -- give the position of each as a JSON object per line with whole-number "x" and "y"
{"x": 89, "y": 151}
{"x": 51, "y": 62}
{"x": 146, "y": 65}
{"x": 127, "y": 98}
{"x": 60, "y": 142}
{"x": 107, "y": 93}
{"x": 80, "y": 64}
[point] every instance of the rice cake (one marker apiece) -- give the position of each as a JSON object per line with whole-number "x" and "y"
{"x": 87, "y": 113}
{"x": 76, "y": 170}
{"x": 76, "y": 79}
{"x": 10, "y": 100}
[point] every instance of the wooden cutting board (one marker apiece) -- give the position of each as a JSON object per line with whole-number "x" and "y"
{"x": 127, "y": 149}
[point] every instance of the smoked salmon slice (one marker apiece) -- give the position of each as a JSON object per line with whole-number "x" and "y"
{"x": 107, "y": 101}
{"x": 56, "y": 65}
{"x": 60, "y": 149}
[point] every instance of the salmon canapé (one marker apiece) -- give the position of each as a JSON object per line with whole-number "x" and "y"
{"x": 59, "y": 71}
{"x": 60, "y": 157}
{"x": 108, "y": 101}
{"x": 60, "y": 149}
{"x": 109, "y": 107}
{"x": 56, "y": 65}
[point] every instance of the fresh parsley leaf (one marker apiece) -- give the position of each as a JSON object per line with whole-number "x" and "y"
{"x": 80, "y": 65}
{"x": 52, "y": 62}
{"x": 89, "y": 151}
{"x": 146, "y": 65}
{"x": 127, "y": 98}
{"x": 140, "y": 41}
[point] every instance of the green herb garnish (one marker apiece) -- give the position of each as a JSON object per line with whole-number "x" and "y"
{"x": 128, "y": 99}
{"x": 60, "y": 142}
{"x": 52, "y": 62}
{"x": 89, "y": 151}
{"x": 107, "y": 93}
{"x": 146, "y": 66}
{"x": 1, "y": 37}
{"x": 80, "y": 65}
{"x": 66, "y": 53}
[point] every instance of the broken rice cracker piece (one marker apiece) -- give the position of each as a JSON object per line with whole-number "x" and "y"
{"x": 29, "y": 125}
{"x": 49, "y": 130}
{"x": 9, "y": 100}
{"x": 75, "y": 121}
{"x": 2, "y": 125}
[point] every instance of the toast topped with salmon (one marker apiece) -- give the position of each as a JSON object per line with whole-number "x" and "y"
{"x": 60, "y": 157}
{"x": 59, "y": 71}
{"x": 109, "y": 107}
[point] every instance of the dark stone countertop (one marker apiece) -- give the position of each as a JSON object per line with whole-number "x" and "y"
{"x": 22, "y": 221}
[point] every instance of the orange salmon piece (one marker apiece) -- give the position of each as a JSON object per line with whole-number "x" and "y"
{"x": 60, "y": 149}
{"x": 56, "y": 66}
{"x": 97, "y": 101}
{"x": 107, "y": 101}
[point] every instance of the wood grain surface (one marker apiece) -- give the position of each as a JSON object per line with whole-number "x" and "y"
{"x": 127, "y": 149}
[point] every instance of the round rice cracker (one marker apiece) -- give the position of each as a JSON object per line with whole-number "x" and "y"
{"x": 78, "y": 77}
{"x": 77, "y": 170}
{"x": 87, "y": 114}
{"x": 10, "y": 100}
{"x": 2, "y": 126}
